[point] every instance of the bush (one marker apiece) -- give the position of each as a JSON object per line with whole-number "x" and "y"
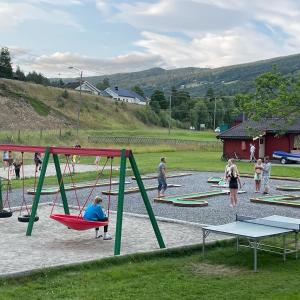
{"x": 65, "y": 94}
{"x": 60, "y": 102}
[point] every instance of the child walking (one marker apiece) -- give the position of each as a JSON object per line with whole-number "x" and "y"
{"x": 258, "y": 167}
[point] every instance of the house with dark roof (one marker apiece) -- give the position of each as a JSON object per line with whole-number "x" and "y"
{"x": 265, "y": 136}
{"x": 86, "y": 87}
{"x": 124, "y": 95}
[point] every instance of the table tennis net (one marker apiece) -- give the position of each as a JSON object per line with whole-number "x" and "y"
{"x": 271, "y": 223}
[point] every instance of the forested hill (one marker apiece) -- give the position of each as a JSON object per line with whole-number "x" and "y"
{"x": 230, "y": 80}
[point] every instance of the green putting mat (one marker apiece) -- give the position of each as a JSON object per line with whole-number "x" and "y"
{"x": 288, "y": 187}
{"x": 191, "y": 200}
{"x": 285, "y": 200}
{"x": 215, "y": 179}
{"x": 170, "y": 175}
{"x": 69, "y": 187}
{"x": 136, "y": 189}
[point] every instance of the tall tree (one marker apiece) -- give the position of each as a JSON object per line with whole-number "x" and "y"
{"x": 20, "y": 74}
{"x": 104, "y": 84}
{"x": 158, "y": 101}
{"x": 137, "y": 89}
{"x": 275, "y": 96}
{"x": 5, "y": 64}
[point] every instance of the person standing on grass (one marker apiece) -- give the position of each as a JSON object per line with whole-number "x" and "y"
{"x": 161, "y": 177}
{"x": 234, "y": 180}
{"x": 252, "y": 153}
{"x": 258, "y": 175}
{"x": 266, "y": 173}
{"x": 17, "y": 164}
{"x": 5, "y": 159}
{"x": 97, "y": 161}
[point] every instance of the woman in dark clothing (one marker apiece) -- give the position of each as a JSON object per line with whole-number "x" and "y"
{"x": 17, "y": 164}
{"x": 234, "y": 181}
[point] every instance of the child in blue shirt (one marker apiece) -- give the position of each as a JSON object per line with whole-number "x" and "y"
{"x": 95, "y": 212}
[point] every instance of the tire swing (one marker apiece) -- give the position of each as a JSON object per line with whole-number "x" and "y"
{"x": 24, "y": 218}
{"x": 6, "y": 213}
{"x": 76, "y": 222}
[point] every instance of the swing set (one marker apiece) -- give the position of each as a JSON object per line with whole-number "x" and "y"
{"x": 76, "y": 222}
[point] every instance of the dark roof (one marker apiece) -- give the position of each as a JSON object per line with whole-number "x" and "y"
{"x": 72, "y": 85}
{"x": 250, "y": 129}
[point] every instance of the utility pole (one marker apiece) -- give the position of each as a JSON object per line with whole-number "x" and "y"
{"x": 170, "y": 116}
{"x": 215, "y": 110}
{"x": 80, "y": 99}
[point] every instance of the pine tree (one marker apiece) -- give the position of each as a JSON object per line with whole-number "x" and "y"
{"x": 5, "y": 64}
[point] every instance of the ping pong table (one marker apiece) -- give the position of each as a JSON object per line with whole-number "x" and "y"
{"x": 256, "y": 229}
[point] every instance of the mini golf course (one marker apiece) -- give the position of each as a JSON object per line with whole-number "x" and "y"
{"x": 69, "y": 187}
{"x": 285, "y": 200}
{"x": 288, "y": 187}
{"x": 136, "y": 189}
{"x": 221, "y": 184}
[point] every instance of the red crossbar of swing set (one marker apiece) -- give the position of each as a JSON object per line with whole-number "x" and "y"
{"x": 65, "y": 150}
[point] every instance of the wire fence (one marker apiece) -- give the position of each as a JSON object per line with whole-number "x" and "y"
{"x": 124, "y": 140}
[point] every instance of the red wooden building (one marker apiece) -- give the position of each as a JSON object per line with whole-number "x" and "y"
{"x": 238, "y": 138}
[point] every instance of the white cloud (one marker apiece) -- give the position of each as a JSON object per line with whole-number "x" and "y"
{"x": 14, "y": 14}
{"x": 59, "y": 62}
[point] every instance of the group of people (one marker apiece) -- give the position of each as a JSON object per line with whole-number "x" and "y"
{"x": 13, "y": 163}
{"x": 262, "y": 172}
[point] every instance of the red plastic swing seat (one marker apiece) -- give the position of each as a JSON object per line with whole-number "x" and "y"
{"x": 77, "y": 222}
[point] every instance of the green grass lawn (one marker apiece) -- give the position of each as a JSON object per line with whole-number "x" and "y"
{"x": 223, "y": 274}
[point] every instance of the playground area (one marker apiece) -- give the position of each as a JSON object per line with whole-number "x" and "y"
{"x": 148, "y": 223}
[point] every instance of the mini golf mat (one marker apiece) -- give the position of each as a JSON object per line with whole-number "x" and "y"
{"x": 170, "y": 175}
{"x": 183, "y": 201}
{"x": 288, "y": 187}
{"x": 214, "y": 179}
{"x": 189, "y": 199}
{"x": 69, "y": 187}
{"x": 272, "y": 177}
{"x": 221, "y": 184}
{"x": 286, "y": 200}
{"x": 239, "y": 192}
{"x": 136, "y": 189}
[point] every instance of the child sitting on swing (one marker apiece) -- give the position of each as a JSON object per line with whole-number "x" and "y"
{"x": 95, "y": 212}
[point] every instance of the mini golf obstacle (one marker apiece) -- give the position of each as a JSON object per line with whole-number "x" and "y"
{"x": 70, "y": 187}
{"x": 285, "y": 200}
{"x": 170, "y": 175}
{"x": 77, "y": 222}
{"x": 221, "y": 184}
{"x": 136, "y": 189}
{"x": 291, "y": 188}
{"x": 183, "y": 201}
{"x": 189, "y": 200}
{"x": 214, "y": 179}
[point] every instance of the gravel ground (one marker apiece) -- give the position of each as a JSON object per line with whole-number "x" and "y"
{"x": 218, "y": 210}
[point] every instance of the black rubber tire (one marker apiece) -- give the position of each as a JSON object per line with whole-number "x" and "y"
{"x": 25, "y": 218}
{"x": 5, "y": 214}
{"x": 283, "y": 161}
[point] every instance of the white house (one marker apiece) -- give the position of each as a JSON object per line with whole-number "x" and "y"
{"x": 86, "y": 87}
{"x": 124, "y": 95}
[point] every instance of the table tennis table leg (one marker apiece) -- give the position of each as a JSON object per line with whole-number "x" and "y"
{"x": 284, "y": 247}
{"x": 203, "y": 241}
{"x": 254, "y": 243}
{"x": 296, "y": 243}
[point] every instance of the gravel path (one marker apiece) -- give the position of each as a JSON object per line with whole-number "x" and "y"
{"x": 218, "y": 210}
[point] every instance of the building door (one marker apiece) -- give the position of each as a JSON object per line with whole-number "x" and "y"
{"x": 261, "y": 150}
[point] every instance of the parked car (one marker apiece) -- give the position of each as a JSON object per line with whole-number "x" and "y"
{"x": 286, "y": 157}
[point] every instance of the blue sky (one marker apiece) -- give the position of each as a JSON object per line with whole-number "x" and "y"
{"x": 111, "y": 36}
